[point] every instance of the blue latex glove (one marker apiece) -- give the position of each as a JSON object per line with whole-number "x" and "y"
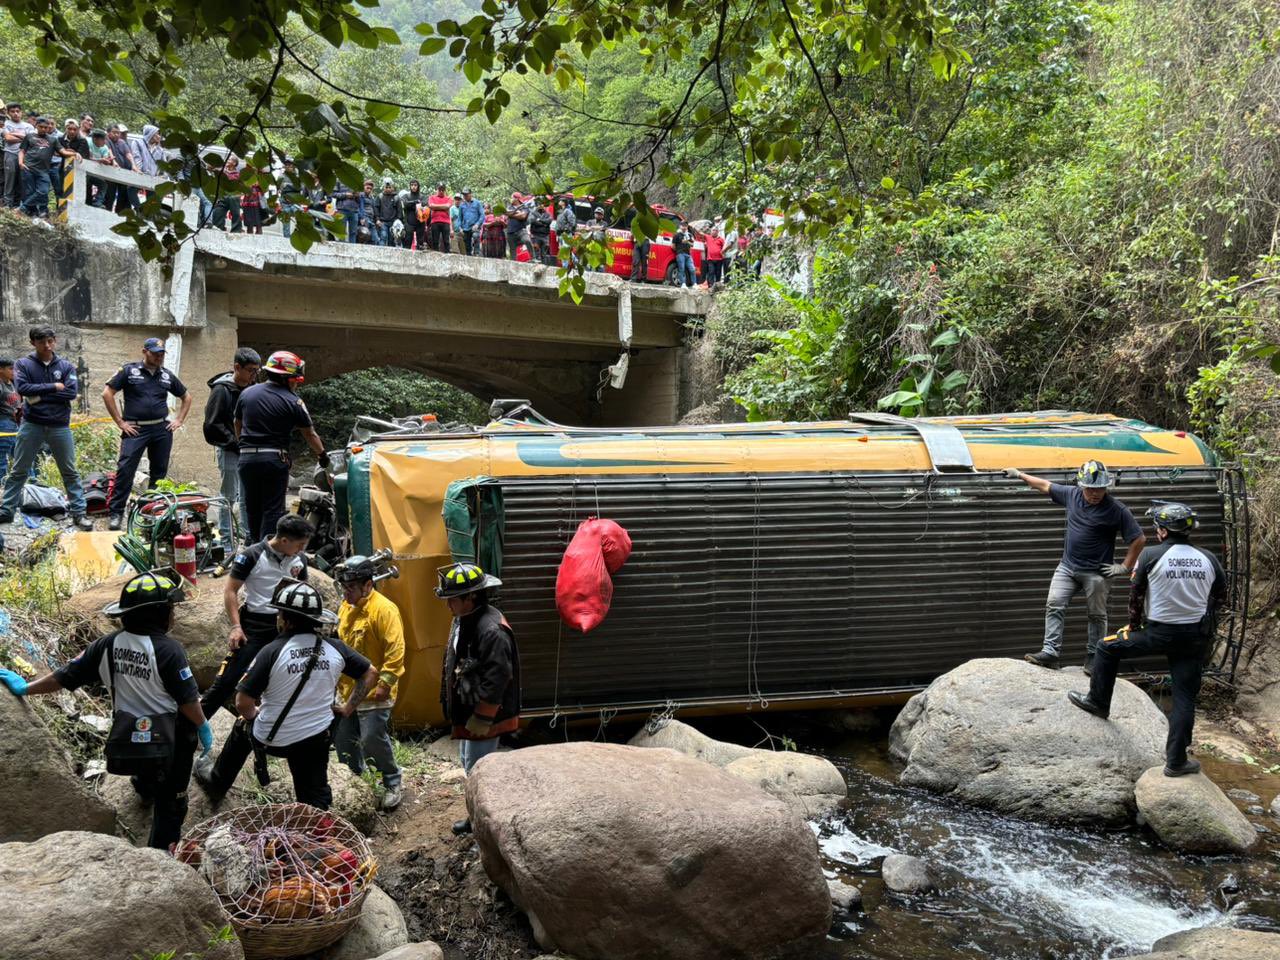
{"x": 16, "y": 684}
{"x": 205, "y": 733}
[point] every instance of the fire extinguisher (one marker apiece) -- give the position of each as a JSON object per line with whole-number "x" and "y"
{"x": 184, "y": 555}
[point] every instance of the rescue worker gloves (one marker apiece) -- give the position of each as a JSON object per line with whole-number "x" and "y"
{"x": 205, "y": 733}
{"x": 1174, "y": 517}
{"x": 479, "y": 727}
{"x": 301, "y": 600}
{"x": 146, "y": 590}
{"x": 1013, "y": 473}
{"x": 459, "y": 579}
{"x": 16, "y": 684}
{"x": 1121, "y": 634}
{"x": 1093, "y": 473}
{"x": 1110, "y": 570}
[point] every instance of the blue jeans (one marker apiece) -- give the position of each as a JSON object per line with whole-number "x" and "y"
{"x": 470, "y": 751}
{"x": 684, "y": 270}
{"x": 363, "y": 736}
{"x": 1066, "y": 583}
{"x": 353, "y": 224}
{"x": 229, "y": 468}
{"x": 37, "y": 201}
{"x": 206, "y": 205}
{"x": 382, "y": 234}
{"x": 32, "y": 437}
{"x": 286, "y": 226}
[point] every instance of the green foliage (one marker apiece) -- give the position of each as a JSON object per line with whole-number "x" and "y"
{"x": 385, "y": 392}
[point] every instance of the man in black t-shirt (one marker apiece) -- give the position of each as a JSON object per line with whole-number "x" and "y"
{"x": 266, "y": 416}
{"x": 35, "y": 156}
{"x": 1094, "y": 518}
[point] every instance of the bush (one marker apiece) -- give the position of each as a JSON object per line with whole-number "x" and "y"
{"x": 385, "y": 392}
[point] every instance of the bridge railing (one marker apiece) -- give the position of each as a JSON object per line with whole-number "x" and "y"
{"x": 75, "y": 205}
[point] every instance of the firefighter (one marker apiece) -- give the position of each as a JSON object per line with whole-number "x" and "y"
{"x": 266, "y": 415}
{"x": 285, "y": 701}
{"x": 1173, "y": 602}
{"x": 370, "y": 624}
{"x": 144, "y": 426}
{"x": 156, "y": 717}
{"x": 1094, "y": 518}
{"x": 480, "y": 686}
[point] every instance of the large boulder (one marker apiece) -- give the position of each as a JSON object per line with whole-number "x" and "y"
{"x": 812, "y": 786}
{"x": 72, "y": 895}
{"x": 905, "y": 874}
{"x": 39, "y": 791}
{"x": 1191, "y": 815}
{"x": 200, "y": 623}
{"x": 381, "y": 929}
{"x": 1216, "y": 943}
{"x": 1001, "y": 734}
{"x": 618, "y": 853}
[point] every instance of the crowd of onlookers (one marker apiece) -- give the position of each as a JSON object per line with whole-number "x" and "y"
{"x": 528, "y": 228}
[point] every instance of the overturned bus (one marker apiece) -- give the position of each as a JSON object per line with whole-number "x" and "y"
{"x": 774, "y": 565}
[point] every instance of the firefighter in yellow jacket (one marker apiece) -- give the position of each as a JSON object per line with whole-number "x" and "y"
{"x": 370, "y": 624}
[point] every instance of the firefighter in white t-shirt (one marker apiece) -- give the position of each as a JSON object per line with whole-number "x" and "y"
{"x": 1176, "y": 591}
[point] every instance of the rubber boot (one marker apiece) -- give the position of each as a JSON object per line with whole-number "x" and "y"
{"x": 1088, "y": 665}
{"x": 1043, "y": 659}
{"x": 1185, "y": 768}
{"x": 1082, "y": 701}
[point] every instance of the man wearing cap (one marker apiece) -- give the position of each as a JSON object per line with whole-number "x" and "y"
{"x": 36, "y": 157}
{"x": 220, "y": 432}
{"x": 156, "y": 718}
{"x": 438, "y": 220}
{"x": 470, "y": 217}
{"x": 480, "y": 685}
{"x": 48, "y": 386}
{"x": 455, "y": 236}
{"x": 285, "y": 701}
{"x": 147, "y": 428}
{"x": 370, "y": 624}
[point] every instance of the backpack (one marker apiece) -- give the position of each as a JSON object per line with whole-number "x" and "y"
{"x": 97, "y": 491}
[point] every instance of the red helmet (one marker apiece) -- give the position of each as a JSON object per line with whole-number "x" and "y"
{"x": 287, "y": 363}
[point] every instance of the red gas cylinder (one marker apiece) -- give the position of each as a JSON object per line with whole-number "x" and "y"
{"x": 184, "y": 555}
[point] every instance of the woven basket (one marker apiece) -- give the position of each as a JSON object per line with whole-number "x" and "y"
{"x": 291, "y": 878}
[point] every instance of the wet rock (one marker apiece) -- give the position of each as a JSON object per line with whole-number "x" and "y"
{"x": 905, "y": 874}
{"x": 845, "y": 896}
{"x": 426, "y": 950}
{"x": 1275, "y": 807}
{"x": 71, "y": 895}
{"x": 1255, "y": 810}
{"x": 1216, "y": 943}
{"x": 1190, "y": 814}
{"x": 812, "y": 786}
{"x": 39, "y": 791}
{"x": 626, "y": 854}
{"x": 1001, "y": 734}
{"x": 200, "y": 623}
{"x": 380, "y": 930}
{"x": 1244, "y": 796}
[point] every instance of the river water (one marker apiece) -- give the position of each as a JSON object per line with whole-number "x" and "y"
{"x": 1014, "y": 890}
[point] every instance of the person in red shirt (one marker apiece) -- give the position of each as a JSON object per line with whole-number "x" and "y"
{"x": 714, "y": 273}
{"x": 438, "y": 223}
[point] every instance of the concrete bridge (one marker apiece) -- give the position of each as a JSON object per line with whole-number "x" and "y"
{"x": 492, "y": 327}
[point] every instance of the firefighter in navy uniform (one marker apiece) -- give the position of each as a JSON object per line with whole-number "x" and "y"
{"x": 156, "y": 716}
{"x": 144, "y": 425}
{"x": 286, "y": 700}
{"x": 1176, "y": 591}
{"x": 266, "y": 415}
{"x": 480, "y": 685}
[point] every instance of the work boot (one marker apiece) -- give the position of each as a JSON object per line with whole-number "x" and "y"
{"x": 1043, "y": 659}
{"x": 1183, "y": 769}
{"x": 1082, "y": 701}
{"x": 462, "y": 827}
{"x": 392, "y": 798}
{"x": 1088, "y": 665}
{"x": 115, "y": 522}
{"x": 82, "y": 522}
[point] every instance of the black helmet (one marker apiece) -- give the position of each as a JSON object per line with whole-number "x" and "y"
{"x": 146, "y": 590}
{"x": 1093, "y": 473}
{"x": 301, "y": 600}
{"x": 1174, "y": 517}
{"x": 459, "y": 579}
{"x": 355, "y": 569}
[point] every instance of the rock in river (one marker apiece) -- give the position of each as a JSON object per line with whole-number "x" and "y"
{"x": 1192, "y": 815}
{"x": 904, "y": 874}
{"x": 70, "y": 896}
{"x": 812, "y": 786}
{"x": 619, "y": 853}
{"x": 1001, "y": 734}
{"x": 1216, "y": 943}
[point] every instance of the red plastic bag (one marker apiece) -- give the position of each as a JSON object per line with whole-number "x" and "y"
{"x": 584, "y": 588}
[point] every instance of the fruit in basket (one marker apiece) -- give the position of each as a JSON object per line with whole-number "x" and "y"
{"x": 295, "y": 899}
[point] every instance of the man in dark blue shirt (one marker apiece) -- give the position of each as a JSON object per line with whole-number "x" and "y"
{"x": 47, "y": 384}
{"x": 1094, "y": 518}
{"x": 145, "y": 426}
{"x": 266, "y": 415}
